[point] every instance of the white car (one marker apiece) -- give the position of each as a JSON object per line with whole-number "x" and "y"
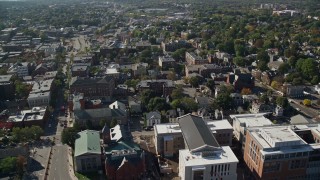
{"x": 49, "y": 125}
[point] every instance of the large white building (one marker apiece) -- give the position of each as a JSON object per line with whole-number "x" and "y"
{"x": 243, "y": 121}
{"x": 203, "y": 157}
{"x": 169, "y": 140}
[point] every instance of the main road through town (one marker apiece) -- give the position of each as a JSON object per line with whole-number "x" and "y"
{"x": 59, "y": 167}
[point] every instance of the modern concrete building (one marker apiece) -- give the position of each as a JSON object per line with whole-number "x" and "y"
{"x": 87, "y": 151}
{"x": 241, "y": 122}
{"x": 203, "y": 157}
{"x": 169, "y": 139}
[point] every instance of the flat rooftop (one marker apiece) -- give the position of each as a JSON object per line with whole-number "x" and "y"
{"x": 169, "y": 128}
{"x": 278, "y": 139}
{"x": 252, "y": 120}
{"x": 225, "y": 155}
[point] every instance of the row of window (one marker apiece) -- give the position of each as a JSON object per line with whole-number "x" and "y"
{"x": 285, "y": 156}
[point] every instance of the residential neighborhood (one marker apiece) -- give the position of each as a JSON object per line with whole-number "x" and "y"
{"x": 151, "y": 89}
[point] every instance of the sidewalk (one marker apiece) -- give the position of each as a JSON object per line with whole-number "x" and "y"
{"x": 70, "y": 163}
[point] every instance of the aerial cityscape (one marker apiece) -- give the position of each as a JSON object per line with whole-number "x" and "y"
{"x": 150, "y": 90}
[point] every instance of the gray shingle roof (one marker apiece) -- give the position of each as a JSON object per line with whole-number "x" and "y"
{"x": 196, "y": 132}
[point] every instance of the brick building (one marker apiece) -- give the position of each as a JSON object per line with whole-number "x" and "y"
{"x": 123, "y": 158}
{"x": 161, "y": 87}
{"x": 192, "y": 59}
{"x": 93, "y": 87}
{"x": 283, "y": 152}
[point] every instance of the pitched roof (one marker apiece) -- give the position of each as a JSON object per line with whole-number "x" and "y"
{"x": 88, "y": 142}
{"x": 196, "y": 132}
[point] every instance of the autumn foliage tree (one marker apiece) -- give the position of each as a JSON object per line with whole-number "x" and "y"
{"x": 246, "y": 91}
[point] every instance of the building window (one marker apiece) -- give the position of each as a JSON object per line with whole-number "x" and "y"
{"x": 296, "y": 164}
{"x": 272, "y": 167}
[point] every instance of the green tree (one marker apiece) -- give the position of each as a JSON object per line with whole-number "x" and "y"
{"x": 69, "y": 136}
{"x": 262, "y": 65}
{"x": 282, "y": 101}
{"x": 179, "y": 54}
{"x": 102, "y": 122}
{"x": 113, "y": 123}
{"x": 315, "y": 80}
{"x": 194, "y": 81}
{"x": 22, "y": 89}
{"x": 8, "y": 165}
{"x": 263, "y": 56}
{"x": 177, "y": 93}
{"x": 224, "y": 101}
{"x": 284, "y": 68}
{"x": 3, "y": 71}
{"x": 157, "y": 103}
{"x": 132, "y": 82}
{"x": 188, "y": 105}
{"x": 211, "y": 84}
{"x": 239, "y": 61}
{"x": 145, "y": 96}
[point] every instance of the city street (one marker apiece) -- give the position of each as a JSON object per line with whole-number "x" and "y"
{"x": 59, "y": 167}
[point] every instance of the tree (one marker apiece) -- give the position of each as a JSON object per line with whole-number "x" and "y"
{"x": 177, "y": 93}
{"x": 146, "y": 95}
{"x": 132, "y": 82}
{"x": 22, "y": 89}
{"x": 284, "y": 68}
{"x": 282, "y": 101}
{"x": 8, "y": 165}
{"x": 3, "y": 71}
{"x": 264, "y": 99}
{"x": 102, "y": 122}
{"x": 21, "y": 161}
{"x": 239, "y": 61}
{"x": 176, "y": 104}
{"x": 246, "y": 91}
{"x": 36, "y": 131}
{"x": 263, "y": 56}
{"x": 224, "y": 101}
{"x": 69, "y": 135}
{"x": 188, "y": 105}
{"x": 315, "y": 80}
{"x": 157, "y": 103}
{"x": 211, "y": 84}
{"x": 179, "y": 54}
{"x": 113, "y": 123}
{"x": 262, "y": 65}
{"x": 307, "y": 102}
{"x": 194, "y": 81}
{"x": 275, "y": 85}
{"x": 171, "y": 76}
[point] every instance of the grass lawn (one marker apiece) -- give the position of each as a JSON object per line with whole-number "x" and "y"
{"x": 90, "y": 176}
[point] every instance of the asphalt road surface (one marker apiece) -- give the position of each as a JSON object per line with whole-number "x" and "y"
{"x": 59, "y": 169}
